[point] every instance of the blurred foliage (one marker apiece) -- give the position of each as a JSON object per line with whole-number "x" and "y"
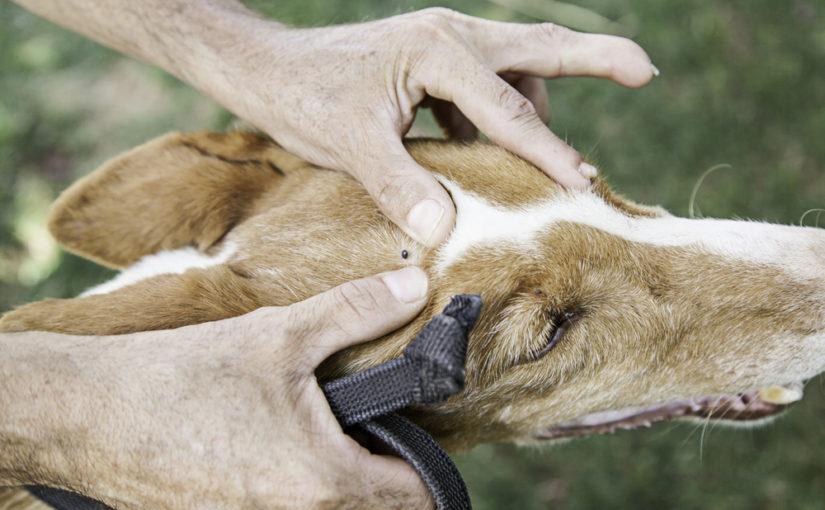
{"x": 743, "y": 83}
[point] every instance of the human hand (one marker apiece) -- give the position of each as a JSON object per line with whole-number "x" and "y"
{"x": 343, "y": 96}
{"x": 225, "y": 414}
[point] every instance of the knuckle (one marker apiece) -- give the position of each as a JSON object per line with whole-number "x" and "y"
{"x": 555, "y": 37}
{"x": 440, "y": 12}
{"x": 354, "y": 303}
{"x": 518, "y": 108}
{"x": 552, "y": 34}
{"x": 397, "y": 190}
{"x": 388, "y": 192}
{"x": 436, "y": 24}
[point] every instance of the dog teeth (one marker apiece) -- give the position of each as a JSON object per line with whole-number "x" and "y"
{"x": 780, "y": 395}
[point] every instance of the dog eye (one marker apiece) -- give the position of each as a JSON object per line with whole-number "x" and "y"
{"x": 561, "y": 323}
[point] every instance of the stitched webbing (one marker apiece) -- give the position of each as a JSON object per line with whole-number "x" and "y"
{"x": 430, "y": 370}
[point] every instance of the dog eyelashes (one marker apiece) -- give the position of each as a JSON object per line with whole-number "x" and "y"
{"x": 561, "y": 323}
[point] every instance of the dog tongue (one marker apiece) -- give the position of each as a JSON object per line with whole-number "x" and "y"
{"x": 781, "y": 395}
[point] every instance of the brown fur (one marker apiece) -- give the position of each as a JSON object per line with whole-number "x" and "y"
{"x": 658, "y": 323}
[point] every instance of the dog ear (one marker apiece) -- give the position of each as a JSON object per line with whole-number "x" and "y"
{"x": 174, "y": 191}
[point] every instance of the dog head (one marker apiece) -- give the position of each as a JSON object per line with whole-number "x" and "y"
{"x": 599, "y": 314}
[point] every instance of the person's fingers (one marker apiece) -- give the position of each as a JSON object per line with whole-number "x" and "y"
{"x": 456, "y": 125}
{"x": 550, "y": 50}
{"x": 510, "y": 120}
{"x": 395, "y": 476}
{"x": 533, "y": 89}
{"x": 357, "y": 311}
{"x": 406, "y": 193}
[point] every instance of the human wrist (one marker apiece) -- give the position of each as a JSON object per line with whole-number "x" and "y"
{"x": 221, "y": 40}
{"x": 66, "y": 402}
{"x": 202, "y": 42}
{"x": 38, "y": 425}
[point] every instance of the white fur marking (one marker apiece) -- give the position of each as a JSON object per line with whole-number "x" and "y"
{"x": 480, "y": 223}
{"x": 164, "y": 262}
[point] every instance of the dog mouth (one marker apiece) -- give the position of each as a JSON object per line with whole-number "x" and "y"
{"x": 741, "y": 407}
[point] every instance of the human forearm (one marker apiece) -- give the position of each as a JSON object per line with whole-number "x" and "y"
{"x": 64, "y": 401}
{"x": 191, "y": 39}
{"x": 94, "y": 415}
{"x": 33, "y": 380}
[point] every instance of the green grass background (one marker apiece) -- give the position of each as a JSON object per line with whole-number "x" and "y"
{"x": 742, "y": 84}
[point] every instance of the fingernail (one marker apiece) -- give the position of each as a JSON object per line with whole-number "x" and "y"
{"x": 424, "y": 218}
{"x": 408, "y": 285}
{"x": 654, "y": 69}
{"x": 587, "y": 170}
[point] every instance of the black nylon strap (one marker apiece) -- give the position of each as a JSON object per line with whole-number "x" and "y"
{"x": 430, "y": 370}
{"x": 431, "y": 462}
{"x": 365, "y": 395}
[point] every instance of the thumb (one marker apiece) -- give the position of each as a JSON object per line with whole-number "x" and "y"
{"x": 408, "y": 194}
{"x": 358, "y": 311}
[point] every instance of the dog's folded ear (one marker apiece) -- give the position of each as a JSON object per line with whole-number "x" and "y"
{"x": 177, "y": 190}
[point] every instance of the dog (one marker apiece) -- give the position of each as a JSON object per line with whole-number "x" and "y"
{"x": 599, "y": 313}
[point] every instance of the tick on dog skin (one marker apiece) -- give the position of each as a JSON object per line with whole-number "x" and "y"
{"x": 538, "y": 292}
{"x": 404, "y": 254}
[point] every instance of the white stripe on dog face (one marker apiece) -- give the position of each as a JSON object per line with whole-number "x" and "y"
{"x": 480, "y": 223}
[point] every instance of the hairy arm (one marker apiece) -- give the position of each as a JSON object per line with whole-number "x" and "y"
{"x": 186, "y": 38}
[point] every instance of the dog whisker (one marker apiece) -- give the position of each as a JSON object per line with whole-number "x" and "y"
{"x": 818, "y": 212}
{"x": 692, "y": 202}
